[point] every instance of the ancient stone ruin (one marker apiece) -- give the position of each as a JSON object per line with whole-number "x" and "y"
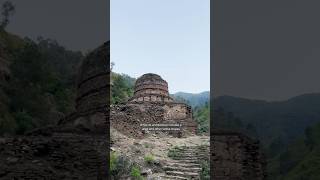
{"x": 76, "y": 147}
{"x": 93, "y": 91}
{"x": 235, "y": 156}
{"x": 151, "y": 88}
{"x": 151, "y": 104}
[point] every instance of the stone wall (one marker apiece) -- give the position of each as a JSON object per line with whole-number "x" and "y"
{"x": 93, "y": 92}
{"x": 94, "y": 80}
{"x": 235, "y": 156}
{"x": 151, "y": 92}
{"x": 127, "y": 118}
{"x": 151, "y": 88}
{"x": 177, "y": 111}
{"x": 151, "y": 98}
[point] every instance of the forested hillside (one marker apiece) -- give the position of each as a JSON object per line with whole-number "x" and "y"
{"x": 37, "y": 83}
{"x": 201, "y": 115}
{"x": 300, "y": 160}
{"x": 200, "y": 105}
{"x": 287, "y": 129}
{"x": 193, "y": 99}
{"x": 122, "y": 87}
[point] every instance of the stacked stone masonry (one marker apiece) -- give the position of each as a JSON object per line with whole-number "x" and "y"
{"x": 93, "y": 81}
{"x": 235, "y": 156}
{"x": 127, "y": 118}
{"x": 151, "y": 93}
{"x": 151, "y": 88}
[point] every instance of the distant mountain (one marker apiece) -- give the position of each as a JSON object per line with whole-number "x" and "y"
{"x": 285, "y": 120}
{"x": 193, "y": 99}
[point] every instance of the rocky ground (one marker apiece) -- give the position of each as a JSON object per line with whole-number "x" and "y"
{"x": 53, "y": 156}
{"x": 184, "y": 165}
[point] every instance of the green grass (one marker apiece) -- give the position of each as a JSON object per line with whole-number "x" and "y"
{"x": 119, "y": 165}
{"x": 136, "y": 173}
{"x": 113, "y": 161}
{"x": 149, "y": 159}
{"x": 146, "y": 145}
{"x": 174, "y": 152}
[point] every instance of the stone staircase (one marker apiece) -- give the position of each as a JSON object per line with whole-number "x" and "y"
{"x": 185, "y": 162}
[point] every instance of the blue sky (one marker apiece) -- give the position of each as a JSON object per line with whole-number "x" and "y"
{"x": 167, "y": 37}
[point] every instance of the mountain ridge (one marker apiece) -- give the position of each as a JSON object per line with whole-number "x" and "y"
{"x": 193, "y": 99}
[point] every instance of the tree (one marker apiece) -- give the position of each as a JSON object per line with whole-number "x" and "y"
{"x": 309, "y": 140}
{"x": 8, "y": 9}
{"x": 112, "y": 66}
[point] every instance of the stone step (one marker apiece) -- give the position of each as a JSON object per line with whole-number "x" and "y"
{"x": 183, "y": 174}
{"x": 191, "y": 155}
{"x": 173, "y": 177}
{"x": 194, "y": 148}
{"x": 193, "y": 152}
{"x": 182, "y": 169}
{"x": 198, "y": 160}
{"x": 184, "y": 161}
{"x": 185, "y": 158}
{"x": 185, "y": 165}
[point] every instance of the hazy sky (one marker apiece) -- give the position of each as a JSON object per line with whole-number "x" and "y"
{"x": 75, "y": 24}
{"x": 266, "y": 49}
{"x": 167, "y": 37}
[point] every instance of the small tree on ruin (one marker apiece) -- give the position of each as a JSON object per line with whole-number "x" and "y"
{"x": 7, "y": 10}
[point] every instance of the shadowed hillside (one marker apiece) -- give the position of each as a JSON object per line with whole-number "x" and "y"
{"x": 36, "y": 82}
{"x": 287, "y": 129}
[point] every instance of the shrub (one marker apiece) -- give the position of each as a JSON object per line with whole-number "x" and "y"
{"x": 119, "y": 165}
{"x": 135, "y": 173}
{"x": 113, "y": 162}
{"x": 149, "y": 159}
{"x": 24, "y": 122}
{"x": 174, "y": 152}
{"x": 205, "y": 170}
{"x": 146, "y": 145}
